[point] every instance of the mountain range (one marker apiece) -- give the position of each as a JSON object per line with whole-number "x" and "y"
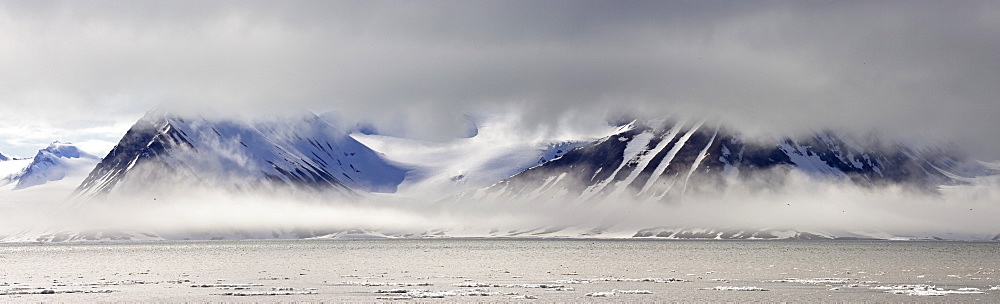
{"x": 660, "y": 161}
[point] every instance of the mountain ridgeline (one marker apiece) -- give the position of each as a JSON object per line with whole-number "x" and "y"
{"x": 163, "y": 151}
{"x": 660, "y": 161}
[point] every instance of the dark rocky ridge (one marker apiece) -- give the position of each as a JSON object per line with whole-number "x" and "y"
{"x": 705, "y": 157}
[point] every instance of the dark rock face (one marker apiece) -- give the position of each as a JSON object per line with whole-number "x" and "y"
{"x": 146, "y": 139}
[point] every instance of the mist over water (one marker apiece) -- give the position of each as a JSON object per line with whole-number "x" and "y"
{"x": 800, "y": 202}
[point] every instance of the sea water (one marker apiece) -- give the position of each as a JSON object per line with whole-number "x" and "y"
{"x": 501, "y": 270}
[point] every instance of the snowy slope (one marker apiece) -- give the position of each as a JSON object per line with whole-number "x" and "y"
{"x": 163, "y": 151}
{"x": 4, "y": 157}
{"x": 440, "y": 169}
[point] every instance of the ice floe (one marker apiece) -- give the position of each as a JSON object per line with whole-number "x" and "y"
{"x": 738, "y": 288}
{"x": 405, "y": 294}
{"x": 266, "y": 293}
{"x": 379, "y": 284}
{"x": 814, "y": 281}
{"x": 633, "y": 291}
{"x": 227, "y": 285}
{"x": 602, "y": 294}
{"x": 115, "y": 283}
{"x": 42, "y": 291}
{"x": 400, "y": 290}
{"x": 479, "y": 284}
{"x": 617, "y": 292}
{"x": 926, "y": 290}
{"x": 651, "y": 280}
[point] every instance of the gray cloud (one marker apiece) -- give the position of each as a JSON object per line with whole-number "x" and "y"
{"x": 914, "y": 70}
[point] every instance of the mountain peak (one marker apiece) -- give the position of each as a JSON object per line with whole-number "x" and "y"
{"x": 62, "y": 150}
{"x": 52, "y": 163}
{"x": 241, "y": 154}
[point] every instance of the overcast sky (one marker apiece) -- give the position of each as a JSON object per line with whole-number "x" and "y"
{"x": 85, "y": 70}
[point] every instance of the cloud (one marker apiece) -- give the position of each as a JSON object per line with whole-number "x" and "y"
{"x": 23, "y": 136}
{"x": 801, "y": 202}
{"x": 924, "y": 70}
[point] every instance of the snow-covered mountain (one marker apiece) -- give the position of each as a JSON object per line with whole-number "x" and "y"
{"x": 53, "y": 163}
{"x": 4, "y": 157}
{"x": 583, "y": 187}
{"x": 661, "y": 160}
{"x": 163, "y": 152}
{"x": 649, "y": 166}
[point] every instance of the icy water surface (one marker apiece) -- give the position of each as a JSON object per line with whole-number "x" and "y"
{"x": 491, "y": 270}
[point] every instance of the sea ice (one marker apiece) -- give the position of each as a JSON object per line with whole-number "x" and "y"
{"x": 427, "y": 294}
{"x": 29, "y": 291}
{"x": 525, "y": 297}
{"x": 617, "y": 292}
{"x": 738, "y": 288}
{"x": 926, "y": 290}
{"x": 603, "y": 294}
{"x": 226, "y": 285}
{"x": 480, "y": 284}
{"x": 376, "y": 284}
{"x": 652, "y": 280}
{"x": 633, "y": 291}
{"x": 400, "y": 290}
{"x": 814, "y": 281}
{"x": 266, "y": 293}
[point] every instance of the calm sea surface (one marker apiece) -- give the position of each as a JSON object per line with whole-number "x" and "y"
{"x": 492, "y": 270}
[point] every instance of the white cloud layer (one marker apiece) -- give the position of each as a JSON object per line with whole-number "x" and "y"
{"x": 966, "y": 212}
{"x": 914, "y": 70}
